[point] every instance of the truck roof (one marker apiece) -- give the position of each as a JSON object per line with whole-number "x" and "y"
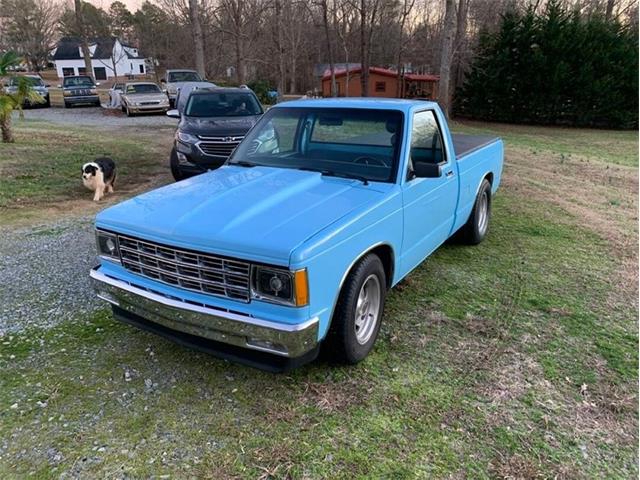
{"x": 360, "y": 102}
{"x": 205, "y": 90}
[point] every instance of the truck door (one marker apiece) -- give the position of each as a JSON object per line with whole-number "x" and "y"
{"x": 429, "y": 203}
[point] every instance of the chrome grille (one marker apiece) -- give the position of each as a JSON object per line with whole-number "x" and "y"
{"x": 199, "y": 272}
{"x": 218, "y": 146}
{"x": 149, "y": 103}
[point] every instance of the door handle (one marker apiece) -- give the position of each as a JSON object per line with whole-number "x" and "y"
{"x": 449, "y": 174}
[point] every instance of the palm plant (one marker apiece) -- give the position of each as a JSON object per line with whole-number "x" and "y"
{"x": 14, "y": 100}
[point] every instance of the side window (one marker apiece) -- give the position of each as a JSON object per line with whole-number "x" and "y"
{"x": 426, "y": 140}
{"x": 277, "y": 137}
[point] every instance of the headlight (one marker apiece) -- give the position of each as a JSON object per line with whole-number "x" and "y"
{"x": 93, "y": 91}
{"x": 66, "y": 93}
{"x": 107, "y": 244}
{"x": 280, "y": 286}
{"x": 186, "y": 137}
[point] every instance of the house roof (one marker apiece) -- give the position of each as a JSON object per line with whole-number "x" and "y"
{"x": 384, "y": 72}
{"x": 68, "y": 48}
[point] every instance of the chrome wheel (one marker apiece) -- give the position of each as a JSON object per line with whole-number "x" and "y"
{"x": 367, "y": 309}
{"x": 483, "y": 213}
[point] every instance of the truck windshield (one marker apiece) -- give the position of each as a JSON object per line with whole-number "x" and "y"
{"x": 184, "y": 77}
{"x": 143, "y": 88}
{"x": 78, "y": 82}
{"x": 32, "y": 81}
{"x": 358, "y": 143}
{"x": 222, "y": 104}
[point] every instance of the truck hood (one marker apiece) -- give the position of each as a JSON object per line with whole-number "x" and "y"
{"x": 258, "y": 213}
{"x": 218, "y": 126}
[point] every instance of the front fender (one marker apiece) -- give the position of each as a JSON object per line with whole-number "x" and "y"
{"x": 330, "y": 254}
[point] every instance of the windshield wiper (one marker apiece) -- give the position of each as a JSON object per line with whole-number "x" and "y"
{"x": 244, "y": 163}
{"x": 331, "y": 173}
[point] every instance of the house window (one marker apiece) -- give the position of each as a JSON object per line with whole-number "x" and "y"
{"x": 100, "y": 73}
{"x": 381, "y": 86}
{"x": 141, "y": 68}
{"x": 67, "y": 71}
{"x": 82, "y": 71}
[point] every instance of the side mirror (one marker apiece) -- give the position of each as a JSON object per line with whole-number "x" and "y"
{"x": 173, "y": 113}
{"x": 427, "y": 170}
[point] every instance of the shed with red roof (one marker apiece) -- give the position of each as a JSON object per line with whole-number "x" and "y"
{"x": 383, "y": 82}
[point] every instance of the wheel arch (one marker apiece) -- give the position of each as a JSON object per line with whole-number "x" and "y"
{"x": 384, "y": 251}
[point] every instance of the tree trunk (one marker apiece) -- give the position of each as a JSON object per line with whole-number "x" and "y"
{"x": 461, "y": 32}
{"x": 198, "y": 40}
{"x": 84, "y": 45}
{"x": 364, "y": 51}
{"x": 325, "y": 20}
{"x": 280, "y": 48}
{"x": 239, "y": 60}
{"x": 448, "y": 36}
{"x": 5, "y": 126}
{"x": 609, "y": 11}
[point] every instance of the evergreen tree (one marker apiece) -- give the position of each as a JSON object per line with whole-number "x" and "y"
{"x": 557, "y": 67}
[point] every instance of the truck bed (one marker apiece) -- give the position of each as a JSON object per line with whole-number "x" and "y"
{"x": 465, "y": 144}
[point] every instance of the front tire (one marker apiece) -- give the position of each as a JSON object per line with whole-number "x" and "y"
{"x": 358, "y": 314}
{"x": 477, "y": 227}
{"x": 175, "y": 169}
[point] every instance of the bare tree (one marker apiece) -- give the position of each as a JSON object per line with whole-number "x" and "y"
{"x": 30, "y": 28}
{"x": 448, "y": 36}
{"x": 194, "y": 17}
{"x": 84, "y": 43}
{"x": 406, "y": 7}
{"x": 368, "y": 11}
{"x": 324, "y": 8}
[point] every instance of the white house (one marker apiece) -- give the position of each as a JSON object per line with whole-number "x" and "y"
{"x": 109, "y": 58}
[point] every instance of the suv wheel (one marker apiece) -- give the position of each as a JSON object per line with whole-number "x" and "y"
{"x": 175, "y": 167}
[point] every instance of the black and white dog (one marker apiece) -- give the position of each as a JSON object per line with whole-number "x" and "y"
{"x": 99, "y": 176}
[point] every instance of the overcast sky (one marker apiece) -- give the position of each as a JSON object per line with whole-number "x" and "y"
{"x": 104, "y": 4}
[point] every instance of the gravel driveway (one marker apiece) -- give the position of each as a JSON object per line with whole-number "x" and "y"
{"x": 44, "y": 274}
{"x": 96, "y": 116}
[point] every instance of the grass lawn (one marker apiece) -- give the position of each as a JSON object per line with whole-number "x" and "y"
{"x": 42, "y": 169}
{"x": 517, "y": 358}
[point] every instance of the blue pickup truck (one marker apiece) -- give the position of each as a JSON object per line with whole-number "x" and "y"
{"x": 294, "y": 242}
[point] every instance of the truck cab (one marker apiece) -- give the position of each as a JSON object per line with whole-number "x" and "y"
{"x": 294, "y": 242}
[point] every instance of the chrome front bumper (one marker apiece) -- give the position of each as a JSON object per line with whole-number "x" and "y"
{"x": 209, "y": 322}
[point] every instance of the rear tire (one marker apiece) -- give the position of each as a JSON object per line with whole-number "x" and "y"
{"x": 358, "y": 314}
{"x": 477, "y": 227}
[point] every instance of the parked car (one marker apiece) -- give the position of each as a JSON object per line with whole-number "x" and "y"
{"x": 79, "y": 90}
{"x": 293, "y": 244}
{"x": 143, "y": 97}
{"x": 36, "y": 83}
{"x": 212, "y": 124}
{"x": 174, "y": 79}
{"x": 114, "y": 94}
